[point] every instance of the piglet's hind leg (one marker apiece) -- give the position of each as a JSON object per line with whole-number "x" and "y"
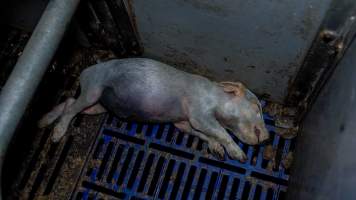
{"x": 55, "y": 113}
{"x": 95, "y": 110}
{"x": 88, "y": 97}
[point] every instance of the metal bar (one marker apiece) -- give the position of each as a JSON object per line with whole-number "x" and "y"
{"x": 335, "y": 35}
{"x": 31, "y": 66}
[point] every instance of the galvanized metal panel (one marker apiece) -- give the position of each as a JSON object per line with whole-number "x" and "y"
{"x": 261, "y": 43}
{"x": 325, "y": 158}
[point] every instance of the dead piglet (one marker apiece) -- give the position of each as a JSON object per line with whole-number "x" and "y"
{"x": 148, "y": 90}
{"x": 242, "y": 114}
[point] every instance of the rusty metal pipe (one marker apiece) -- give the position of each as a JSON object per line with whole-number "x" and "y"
{"x": 31, "y": 66}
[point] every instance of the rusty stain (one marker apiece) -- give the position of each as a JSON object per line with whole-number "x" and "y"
{"x": 313, "y": 67}
{"x": 328, "y": 35}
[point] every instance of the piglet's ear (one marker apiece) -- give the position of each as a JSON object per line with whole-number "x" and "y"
{"x": 237, "y": 88}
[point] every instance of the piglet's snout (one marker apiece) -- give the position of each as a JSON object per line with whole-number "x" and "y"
{"x": 257, "y": 132}
{"x": 259, "y": 135}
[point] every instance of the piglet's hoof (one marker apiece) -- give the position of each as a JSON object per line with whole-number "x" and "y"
{"x": 42, "y": 123}
{"x": 217, "y": 150}
{"x": 243, "y": 159}
{"x": 58, "y": 134}
{"x": 235, "y": 152}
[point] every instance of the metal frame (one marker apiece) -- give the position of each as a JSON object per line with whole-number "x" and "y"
{"x": 31, "y": 66}
{"x": 336, "y": 34}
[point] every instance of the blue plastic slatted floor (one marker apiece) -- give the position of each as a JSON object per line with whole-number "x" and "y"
{"x": 157, "y": 161}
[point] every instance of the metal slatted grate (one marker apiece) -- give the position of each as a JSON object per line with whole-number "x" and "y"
{"x": 156, "y": 161}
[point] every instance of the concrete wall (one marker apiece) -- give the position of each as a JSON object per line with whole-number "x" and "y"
{"x": 261, "y": 43}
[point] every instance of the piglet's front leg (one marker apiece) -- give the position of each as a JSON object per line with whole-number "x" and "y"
{"x": 209, "y": 126}
{"x": 216, "y": 149}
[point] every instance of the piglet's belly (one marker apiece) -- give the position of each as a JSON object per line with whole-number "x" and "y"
{"x": 138, "y": 108}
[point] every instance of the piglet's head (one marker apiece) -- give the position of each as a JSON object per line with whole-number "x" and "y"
{"x": 242, "y": 114}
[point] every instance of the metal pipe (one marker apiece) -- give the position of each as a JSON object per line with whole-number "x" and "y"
{"x": 31, "y": 66}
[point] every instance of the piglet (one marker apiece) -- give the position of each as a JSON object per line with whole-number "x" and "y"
{"x": 142, "y": 89}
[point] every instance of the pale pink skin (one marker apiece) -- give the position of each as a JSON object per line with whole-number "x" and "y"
{"x": 148, "y": 90}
